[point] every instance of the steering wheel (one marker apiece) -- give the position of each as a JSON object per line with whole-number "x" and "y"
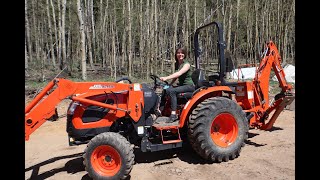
{"x": 124, "y": 78}
{"x": 157, "y": 81}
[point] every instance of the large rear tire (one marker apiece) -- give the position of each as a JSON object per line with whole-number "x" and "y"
{"x": 108, "y": 156}
{"x": 217, "y": 129}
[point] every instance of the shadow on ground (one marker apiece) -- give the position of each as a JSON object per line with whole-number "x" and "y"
{"x": 185, "y": 153}
{"x": 72, "y": 166}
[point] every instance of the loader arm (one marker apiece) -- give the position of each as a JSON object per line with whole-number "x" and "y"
{"x": 43, "y": 106}
{"x": 271, "y": 60}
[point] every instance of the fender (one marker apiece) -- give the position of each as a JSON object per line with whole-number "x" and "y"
{"x": 203, "y": 94}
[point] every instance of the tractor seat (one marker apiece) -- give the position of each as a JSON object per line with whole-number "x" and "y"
{"x": 198, "y": 80}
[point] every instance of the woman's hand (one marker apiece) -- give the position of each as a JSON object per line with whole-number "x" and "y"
{"x": 163, "y": 78}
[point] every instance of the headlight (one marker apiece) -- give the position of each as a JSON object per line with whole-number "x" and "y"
{"x": 72, "y": 107}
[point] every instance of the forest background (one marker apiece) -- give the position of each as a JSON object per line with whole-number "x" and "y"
{"x": 86, "y": 40}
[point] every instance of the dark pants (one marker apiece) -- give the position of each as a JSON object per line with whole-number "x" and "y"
{"x": 173, "y": 91}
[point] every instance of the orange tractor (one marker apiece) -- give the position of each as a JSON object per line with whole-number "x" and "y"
{"x": 112, "y": 117}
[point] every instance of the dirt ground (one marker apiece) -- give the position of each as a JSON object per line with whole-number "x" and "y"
{"x": 266, "y": 155}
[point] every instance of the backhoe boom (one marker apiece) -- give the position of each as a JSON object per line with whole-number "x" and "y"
{"x": 271, "y": 60}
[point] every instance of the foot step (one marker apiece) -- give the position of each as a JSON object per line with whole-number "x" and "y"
{"x": 160, "y": 123}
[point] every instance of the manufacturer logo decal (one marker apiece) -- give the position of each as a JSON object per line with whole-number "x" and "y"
{"x": 100, "y": 86}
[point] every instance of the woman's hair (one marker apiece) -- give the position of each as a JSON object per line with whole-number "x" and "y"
{"x": 176, "y": 65}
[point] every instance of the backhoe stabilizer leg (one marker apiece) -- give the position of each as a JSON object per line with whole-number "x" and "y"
{"x": 287, "y": 100}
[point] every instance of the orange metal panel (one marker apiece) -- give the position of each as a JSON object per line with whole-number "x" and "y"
{"x": 245, "y": 94}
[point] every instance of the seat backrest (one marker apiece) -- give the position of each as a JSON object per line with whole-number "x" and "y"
{"x": 198, "y": 78}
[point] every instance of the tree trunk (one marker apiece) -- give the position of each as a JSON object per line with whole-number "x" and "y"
{"x": 88, "y": 28}
{"x": 256, "y": 44}
{"x": 103, "y": 41}
{"x": 155, "y": 48}
{"x": 93, "y": 29}
{"x": 50, "y": 36}
{"x": 89, "y": 44}
{"x": 174, "y": 40}
{"x": 123, "y": 49}
{"x": 69, "y": 42}
{"x": 129, "y": 41}
{"x": 99, "y": 34}
{"x": 113, "y": 35}
{"x": 141, "y": 43}
{"x": 148, "y": 35}
{"x": 229, "y": 27}
{"x": 25, "y": 55}
{"x": 267, "y": 25}
{"x": 285, "y": 40}
{"x": 161, "y": 49}
{"x": 195, "y": 17}
{"x": 248, "y": 34}
{"x": 186, "y": 27}
{"x": 63, "y": 40}
{"x": 59, "y": 36}
{"x": 34, "y": 27}
{"x": 29, "y": 45}
{"x": 55, "y": 31}
{"x": 236, "y": 45}
{"x": 151, "y": 39}
{"x": 82, "y": 41}
{"x": 223, "y": 12}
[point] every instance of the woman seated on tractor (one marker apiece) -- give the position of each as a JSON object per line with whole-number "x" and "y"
{"x": 185, "y": 84}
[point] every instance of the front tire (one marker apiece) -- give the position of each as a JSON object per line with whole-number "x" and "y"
{"x": 217, "y": 129}
{"x": 108, "y": 156}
